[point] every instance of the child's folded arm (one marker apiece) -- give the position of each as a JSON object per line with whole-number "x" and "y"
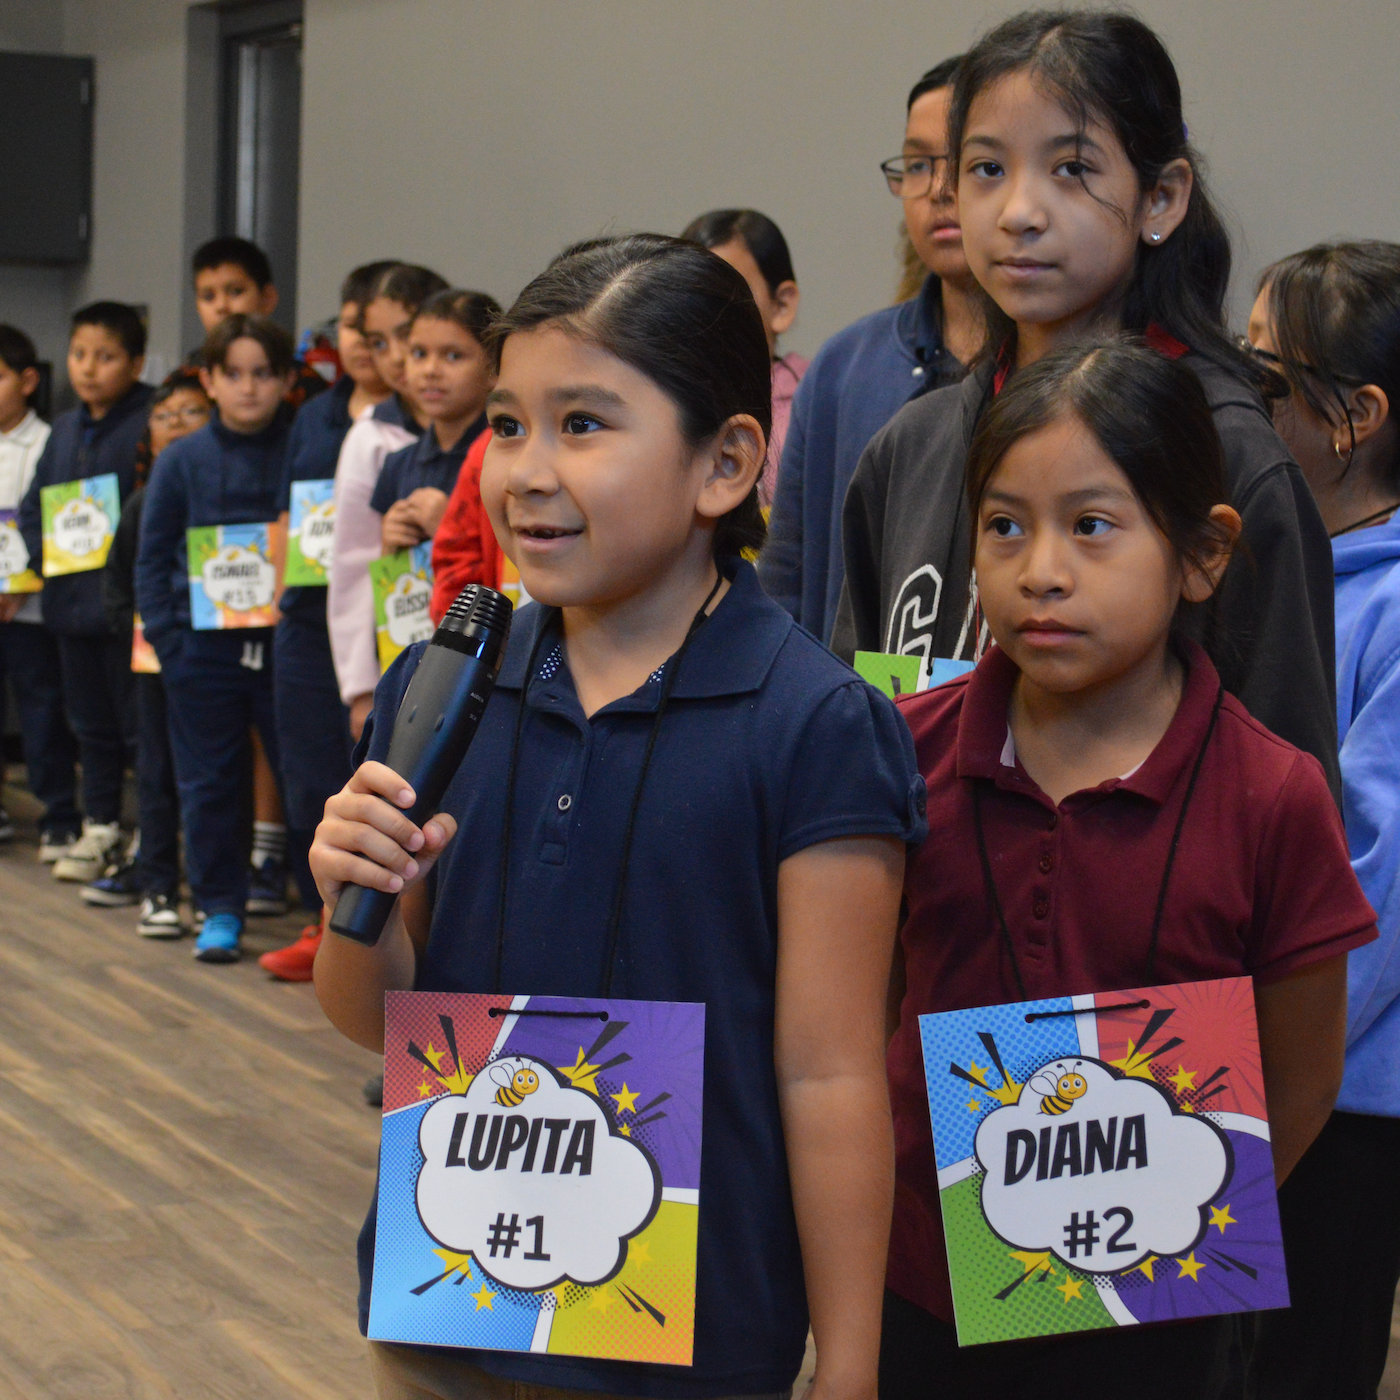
{"x": 29, "y": 518}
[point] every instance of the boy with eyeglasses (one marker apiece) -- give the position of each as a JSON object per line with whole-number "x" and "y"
{"x": 866, "y": 373}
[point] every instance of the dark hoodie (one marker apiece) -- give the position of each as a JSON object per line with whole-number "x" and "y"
{"x": 81, "y": 447}
{"x": 907, "y": 541}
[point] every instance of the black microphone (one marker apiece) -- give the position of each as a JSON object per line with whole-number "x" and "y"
{"x": 437, "y": 720}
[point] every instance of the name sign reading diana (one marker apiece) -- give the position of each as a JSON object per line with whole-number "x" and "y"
{"x": 1104, "y": 1160}
{"x": 539, "y": 1181}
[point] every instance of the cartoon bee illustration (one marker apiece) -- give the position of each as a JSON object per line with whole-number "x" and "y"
{"x": 1060, "y": 1094}
{"x": 514, "y": 1081}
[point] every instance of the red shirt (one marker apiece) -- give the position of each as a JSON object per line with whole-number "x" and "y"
{"x": 1261, "y": 885}
{"x": 464, "y": 548}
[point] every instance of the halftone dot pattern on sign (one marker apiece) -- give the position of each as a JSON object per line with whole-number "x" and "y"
{"x": 1036, "y": 1308}
{"x": 952, "y": 1037}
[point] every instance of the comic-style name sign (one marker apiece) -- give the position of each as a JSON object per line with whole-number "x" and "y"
{"x": 310, "y": 534}
{"x": 15, "y": 574}
{"x": 905, "y": 674}
{"x": 403, "y": 588}
{"x": 79, "y": 520}
{"x": 233, "y": 581}
{"x": 543, "y": 1152}
{"x": 1104, "y": 1160}
{"x": 556, "y": 1194}
{"x": 1099, "y": 1170}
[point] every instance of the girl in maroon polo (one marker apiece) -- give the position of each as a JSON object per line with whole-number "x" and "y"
{"x": 1091, "y": 768}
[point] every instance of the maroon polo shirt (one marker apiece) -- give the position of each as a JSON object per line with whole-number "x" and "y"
{"x": 1261, "y": 885}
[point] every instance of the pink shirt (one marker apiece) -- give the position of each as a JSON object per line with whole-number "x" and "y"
{"x": 787, "y": 375}
{"x": 355, "y": 545}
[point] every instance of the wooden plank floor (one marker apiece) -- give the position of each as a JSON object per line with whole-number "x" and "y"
{"x": 185, "y": 1160}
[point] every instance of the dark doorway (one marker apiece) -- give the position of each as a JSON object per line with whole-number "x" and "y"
{"x": 260, "y": 135}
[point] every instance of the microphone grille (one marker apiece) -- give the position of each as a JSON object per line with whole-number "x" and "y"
{"x": 478, "y": 607}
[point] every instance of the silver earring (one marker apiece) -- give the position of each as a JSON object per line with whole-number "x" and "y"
{"x": 1155, "y": 237}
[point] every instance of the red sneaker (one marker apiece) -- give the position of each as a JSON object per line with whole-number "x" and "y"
{"x": 293, "y": 963}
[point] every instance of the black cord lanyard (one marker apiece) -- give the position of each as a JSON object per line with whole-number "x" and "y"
{"x": 994, "y": 899}
{"x": 668, "y": 682}
{"x": 1381, "y": 514}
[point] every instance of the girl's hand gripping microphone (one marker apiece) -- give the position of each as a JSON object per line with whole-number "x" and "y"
{"x": 436, "y": 721}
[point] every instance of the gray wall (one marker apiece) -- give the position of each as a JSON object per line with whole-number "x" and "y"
{"x": 480, "y": 137}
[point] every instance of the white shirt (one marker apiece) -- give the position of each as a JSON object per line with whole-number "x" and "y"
{"x": 19, "y": 455}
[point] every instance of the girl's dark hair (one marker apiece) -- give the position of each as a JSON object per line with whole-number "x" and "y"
{"x": 407, "y": 284}
{"x": 276, "y": 343}
{"x": 1111, "y": 68}
{"x": 1148, "y": 413}
{"x": 473, "y": 311}
{"x": 360, "y": 282}
{"x": 941, "y": 75}
{"x": 1335, "y": 310}
{"x": 678, "y": 315}
{"x": 186, "y": 377}
{"x": 757, "y": 232}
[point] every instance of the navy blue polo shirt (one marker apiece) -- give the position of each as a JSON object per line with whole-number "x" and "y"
{"x": 422, "y": 463}
{"x": 769, "y": 745}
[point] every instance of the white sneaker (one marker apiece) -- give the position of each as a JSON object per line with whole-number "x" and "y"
{"x": 53, "y": 845}
{"x": 98, "y": 846}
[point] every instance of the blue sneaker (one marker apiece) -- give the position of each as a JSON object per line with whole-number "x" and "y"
{"x": 219, "y": 939}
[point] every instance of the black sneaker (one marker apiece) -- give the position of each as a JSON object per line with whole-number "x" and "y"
{"x": 117, "y": 887}
{"x": 267, "y": 888}
{"x": 160, "y": 918}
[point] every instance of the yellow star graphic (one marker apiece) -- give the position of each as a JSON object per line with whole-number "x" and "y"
{"x": 1221, "y": 1218}
{"x": 483, "y": 1299}
{"x": 978, "y": 1072}
{"x": 1190, "y": 1267}
{"x": 453, "y": 1262}
{"x": 1138, "y": 1067}
{"x": 624, "y": 1130}
{"x": 626, "y": 1100}
{"x": 1186, "y": 1107}
{"x": 1145, "y": 1268}
{"x": 639, "y": 1252}
{"x": 581, "y": 1074}
{"x": 600, "y": 1300}
{"x": 1183, "y": 1079}
{"x": 435, "y": 1056}
{"x": 424, "y": 1090}
{"x": 973, "y": 1105}
{"x": 1031, "y": 1261}
{"x": 1070, "y": 1288}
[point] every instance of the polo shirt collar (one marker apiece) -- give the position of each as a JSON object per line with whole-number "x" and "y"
{"x": 731, "y": 654}
{"x": 982, "y": 726}
{"x": 24, "y": 432}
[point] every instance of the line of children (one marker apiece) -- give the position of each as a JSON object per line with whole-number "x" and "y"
{"x": 1082, "y": 208}
{"x": 1065, "y": 516}
{"x": 313, "y": 732}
